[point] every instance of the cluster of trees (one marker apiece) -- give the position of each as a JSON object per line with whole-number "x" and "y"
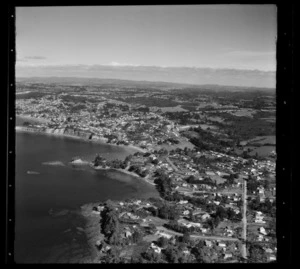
{"x": 165, "y": 211}
{"x": 206, "y": 181}
{"x": 171, "y": 140}
{"x": 139, "y": 170}
{"x": 230, "y": 179}
{"x": 152, "y": 101}
{"x": 227, "y": 213}
{"x": 98, "y": 160}
{"x": 221, "y": 214}
{"x": 117, "y": 164}
{"x": 183, "y": 117}
{"x": 163, "y": 183}
{"x": 210, "y": 142}
{"x": 202, "y": 160}
{"x": 174, "y": 255}
{"x": 252, "y": 184}
{"x": 244, "y": 128}
{"x": 256, "y": 253}
{"x": 198, "y": 202}
{"x": 175, "y": 226}
{"x": 266, "y": 207}
{"x": 174, "y": 197}
{"x": 110, "y": 137}
{"x": 172, "y": 251}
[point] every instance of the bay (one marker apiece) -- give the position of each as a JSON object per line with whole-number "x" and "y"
{"x": 48, "y": 200}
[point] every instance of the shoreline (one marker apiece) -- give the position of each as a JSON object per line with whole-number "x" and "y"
{"x": 125, "y": 172}
{"x": 100, "y": 141}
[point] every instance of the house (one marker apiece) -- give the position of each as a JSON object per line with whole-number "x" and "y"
{"x": 168, "y": 236}
{"x": 262, "y": 231}
{"x": 186, "y": 212}
{"x": 203, "y": 230}
{"x": 222, "y": 245}
{"x": 272, "y": 258}
{"x": 205, "y": 216}
{"x": 208, "y": 243}
{"x": 156, "y": 249}
{"x": 186, "y": 252}
{"x": 128, "y": 234}
{"x": 260, "y": 237}
{"x": 227, "y": 255}
{"x": 269, "y": 250}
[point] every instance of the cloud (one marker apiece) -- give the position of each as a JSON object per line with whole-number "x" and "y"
{"x": 263, "y": 60}
{"x": 122, "y": 64}
{"x": 35, "y": 57}
{"x": 249, "y": 53}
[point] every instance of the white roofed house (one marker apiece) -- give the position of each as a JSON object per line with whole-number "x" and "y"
{"x": 222, "y": 245}
{"x": 205, "y": 216}
{"x": 262, "y": 231}
{"x": 208, "y": 243}
{"x": 186, "y": 212}
{"x": 272, "y": 258}
{"x": 156, "y": 248}
{"x": 227, "y": 255}
{"x": 168, "y": 236}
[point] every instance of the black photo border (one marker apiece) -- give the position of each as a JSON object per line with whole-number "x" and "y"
{"x": 285, "y": 118}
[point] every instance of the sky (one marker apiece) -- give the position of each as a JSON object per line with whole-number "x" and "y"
{"x": 192, "y": 37}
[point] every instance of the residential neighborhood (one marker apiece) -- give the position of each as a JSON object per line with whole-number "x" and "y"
{"x": 198, "y": 165}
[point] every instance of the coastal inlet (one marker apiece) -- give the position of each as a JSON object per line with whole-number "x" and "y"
{"x": 57, "y": 187}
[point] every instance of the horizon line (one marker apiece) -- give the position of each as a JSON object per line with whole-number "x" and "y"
{"x": 148, "y": 81}
{"x": 137, "y": 66}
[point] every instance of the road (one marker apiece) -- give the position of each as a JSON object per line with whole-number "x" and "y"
{"x": 172, "y": 164}
{"x": 208, "y": 237}
{"x": 244, "y": 222}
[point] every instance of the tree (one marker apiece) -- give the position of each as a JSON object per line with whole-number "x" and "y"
{"x": 98, "y": 160}
{"x": 172, "y": 254}
{"x": 198, "y": 252}
{"x": 162, "y": 242}
{"x": 151, "y": 256}
{"x": 257, "y": 254}
{"x": 186, "y": 238}
{"x": 230, "y": 214}
{"x": 137, "y": 237}
{"x": 221, "y": 212}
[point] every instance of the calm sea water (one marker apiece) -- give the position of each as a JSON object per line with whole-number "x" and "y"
{"x": 41, "y": 237}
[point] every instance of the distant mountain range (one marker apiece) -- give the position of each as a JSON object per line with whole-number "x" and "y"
{"x": 147, "y": 74}
{"x": 76, "y": 81}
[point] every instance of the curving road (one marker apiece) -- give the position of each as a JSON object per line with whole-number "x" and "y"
{"x": 208, "y": 237}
